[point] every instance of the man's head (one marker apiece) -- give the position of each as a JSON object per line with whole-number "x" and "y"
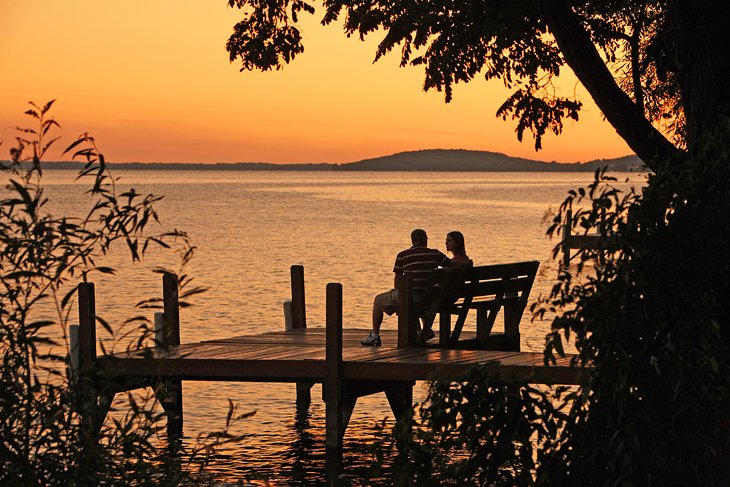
{"x": 419, "y": 237}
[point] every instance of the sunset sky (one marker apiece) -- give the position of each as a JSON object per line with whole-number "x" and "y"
{"x": 151, "y": 81}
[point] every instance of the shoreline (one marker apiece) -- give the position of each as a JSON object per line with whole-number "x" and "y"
{"x": 435, "y": 160}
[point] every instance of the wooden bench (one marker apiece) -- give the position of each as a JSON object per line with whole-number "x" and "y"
{"x": 485, "y": 289}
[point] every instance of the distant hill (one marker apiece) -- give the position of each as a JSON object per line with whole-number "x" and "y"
{"x": 466, "y": 160}
{"x": 423, "y": 160}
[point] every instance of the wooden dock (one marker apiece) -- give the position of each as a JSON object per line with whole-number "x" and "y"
{"x": 304, "y": 355}
{"x": 299, "y": 355}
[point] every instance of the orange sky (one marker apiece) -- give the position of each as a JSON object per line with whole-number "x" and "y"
{"x": 151, "y": 81}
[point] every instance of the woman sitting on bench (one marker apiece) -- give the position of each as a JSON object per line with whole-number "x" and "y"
{"x": 455, "y": 244}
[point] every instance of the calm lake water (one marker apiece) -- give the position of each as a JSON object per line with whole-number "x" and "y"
{"x": 249, "y": 227}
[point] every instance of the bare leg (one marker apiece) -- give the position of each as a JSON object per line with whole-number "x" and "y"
{"x": 377, "y": 317}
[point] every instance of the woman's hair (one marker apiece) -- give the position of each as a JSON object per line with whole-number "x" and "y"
{"x": 459, "y": 240}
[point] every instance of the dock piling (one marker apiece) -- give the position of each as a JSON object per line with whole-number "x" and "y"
{"x": 171, "y": 306}
{"x": 159, "y": 320}
{"x": 288, "y": 325}
{"x": 298, "y": 305}
{"x": 333, "y": 380}
{"x": 87, "y": 324}
{"x": 296, "y": 318}
{"x": 169, "y": 392}
{"x": 95, "y": 402}
{"x": 74, "y": 354}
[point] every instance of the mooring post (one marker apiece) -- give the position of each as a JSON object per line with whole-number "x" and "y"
{"x": 296, "y": 319}
{"x": 333, "y": 381}
{"x": 602, "y": 231}
{"x": 567, "y": 225}
{"x": 99, "y": 401}
{"x": 171, "y": 307}
{"x": 286, "y": 305}
{"x": 407, "y": 319}
{"x": 74, "y": 354}
{"x": 169, "y": 392}
{"x": 87, "y": 325}
{"x": 298, "y": 307}
{"x": 159, "y": 329}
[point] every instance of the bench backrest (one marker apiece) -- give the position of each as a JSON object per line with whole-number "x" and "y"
{"x": 488, "y": 288}
{"x": 484, "y": 282}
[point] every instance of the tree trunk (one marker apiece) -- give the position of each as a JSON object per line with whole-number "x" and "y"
{"x": 628, "y": 120}
{"x": 700, "y": 34}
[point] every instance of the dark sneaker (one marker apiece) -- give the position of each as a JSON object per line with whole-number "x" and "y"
{"x": 372, "y": 340}
{"x": 428, "y": 335}
{"x": 424, "y": 337}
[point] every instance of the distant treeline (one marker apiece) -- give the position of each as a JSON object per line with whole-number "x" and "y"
{"x": 425, "y": 160}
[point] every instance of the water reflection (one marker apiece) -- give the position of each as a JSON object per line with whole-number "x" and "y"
{"x": 304, "y": 461}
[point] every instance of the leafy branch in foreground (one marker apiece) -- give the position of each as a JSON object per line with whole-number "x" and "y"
{"x": 45, "y": 437}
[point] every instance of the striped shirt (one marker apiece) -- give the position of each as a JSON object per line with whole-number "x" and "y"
{"x": 420, "y": 261}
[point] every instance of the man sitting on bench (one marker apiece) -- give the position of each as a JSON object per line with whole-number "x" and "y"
{"x": 419, "y": 260}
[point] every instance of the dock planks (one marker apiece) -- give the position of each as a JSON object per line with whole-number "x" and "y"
{"x": 300, "y": 355}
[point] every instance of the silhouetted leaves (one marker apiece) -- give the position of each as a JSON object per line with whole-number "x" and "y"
{"x": 457, "y": 41}
{"x": 46, "y": 437}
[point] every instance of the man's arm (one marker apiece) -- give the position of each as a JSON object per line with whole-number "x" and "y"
{"x": 397, "y": 269}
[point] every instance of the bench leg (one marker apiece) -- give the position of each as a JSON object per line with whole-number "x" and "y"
{"x": 512, "y": 313}
{"x": 444, "y": 328}
{"x": 482, "y": 331}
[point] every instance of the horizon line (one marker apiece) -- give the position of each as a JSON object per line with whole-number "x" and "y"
{"x": 355, "y": 161}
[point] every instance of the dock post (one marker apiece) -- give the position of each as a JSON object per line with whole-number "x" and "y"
{"x": 159, "y": 319}
{"x": 407, "y": 319}
{"x": 298, "y": 321}
{"x": 87, "y": 356}
{"x": 333, "y": 382}
{"x": 286, "y": 305}
{"x": 169, "y": 392}
{"x": 87, "y": 325}
{"x": 566, "y": 238}
{"x": 171, "y": 307}
{"x": 99, "y": 401}
{"x": 74, "y": 355}
{"x": 602, "y": 232}
{"x": 298, "y": 306}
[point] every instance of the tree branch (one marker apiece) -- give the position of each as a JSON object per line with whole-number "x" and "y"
{"x": 628, "y": 120}
{"x": 636, "y": 70}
